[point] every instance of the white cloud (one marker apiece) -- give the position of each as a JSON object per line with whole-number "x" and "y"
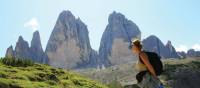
{"x": 182, "y": 48}
{"x": 32, "y": 23}
{"x": 185, "y": 48}
{"x": 196, "y": 47}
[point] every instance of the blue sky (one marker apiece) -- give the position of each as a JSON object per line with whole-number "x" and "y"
{"x": 175, "y": 20}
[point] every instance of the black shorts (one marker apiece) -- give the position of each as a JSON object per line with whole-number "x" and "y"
{"x": 139, "y": 76}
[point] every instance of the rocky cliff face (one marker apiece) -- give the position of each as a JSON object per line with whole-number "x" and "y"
{"x": 36, "y": 52}
{"x": 22, "y": 49}
{"x": 115, "y": 40}
{"x": 193, "y": 53}
{"x": 10, "y": 52}
{"x": 170, "y": 51}
{"x": 189, "y": 53}
{"x": 69, "y": 45}
{"x": 182, "y": 54}
{"x": 197, "y": 53}
{"x": 154, "y": 44}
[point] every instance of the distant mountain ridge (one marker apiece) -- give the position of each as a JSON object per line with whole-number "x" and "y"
{"x": 154, "y": 44}
{"x": 69, "y": 45}
{"x": 22, "y": 49}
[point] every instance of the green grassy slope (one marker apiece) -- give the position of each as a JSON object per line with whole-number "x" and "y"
{"x": 42, "y": 76}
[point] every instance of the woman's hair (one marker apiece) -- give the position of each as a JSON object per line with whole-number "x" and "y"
{"x": 137, "y": 43}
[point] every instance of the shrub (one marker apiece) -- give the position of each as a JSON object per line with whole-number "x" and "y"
{"x": 18, "y": 62}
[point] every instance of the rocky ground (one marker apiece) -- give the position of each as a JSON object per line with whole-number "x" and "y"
{"x": 178, "y": 73}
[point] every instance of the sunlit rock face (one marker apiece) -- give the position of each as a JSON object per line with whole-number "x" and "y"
{"x": 69, "y": 45}
{"x": 116, "y": 39}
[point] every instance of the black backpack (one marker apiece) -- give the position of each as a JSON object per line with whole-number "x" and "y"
{"x": 155, "y": 61}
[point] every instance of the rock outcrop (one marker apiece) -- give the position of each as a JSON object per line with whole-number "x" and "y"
{"x": 154, "y": 44}
{"x": 69, "y": 45}
{"x": 197, "y": 53}
{"x": 170, "y": 51}
{"x": 189, "y": 53}
{"x": 36, "y": 52}
{"x": 10, "y": 52}
{"x": 22, "y": 49}
{"x": 193, "y": 53}
{"x": 182, "y": 54}
{"x": 178, "y": 73}
{"x": 116, "y": 39}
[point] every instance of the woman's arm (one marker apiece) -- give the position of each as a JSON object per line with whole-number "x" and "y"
{"x": 144, "y": 58}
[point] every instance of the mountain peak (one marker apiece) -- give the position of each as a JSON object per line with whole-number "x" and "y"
{"x": 10, "y": 47}
{"x": 66, "y": 16}
{"x": 66, "y": 13}
{"x": 22, "y": 43}
{"x": 153, "y": 37}
{"x": 20, "y": 38}
{"x": 115, "y": 16}
{"x": 10, "y": 51}
{"x": 169, "y": 43}
{"x": 36, "y": 33}
{"x": 37, "y": 53}
{"x": 154, "y": 44}
{"x": 68, "y": 45}
{"x": 36, "y": 39}
{"x": 116, "y": 38}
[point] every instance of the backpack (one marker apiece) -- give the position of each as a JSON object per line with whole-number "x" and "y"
{"x": 155, "y": 61}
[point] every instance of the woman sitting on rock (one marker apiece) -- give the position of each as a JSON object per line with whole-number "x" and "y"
{"x": 146, "y": 77}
